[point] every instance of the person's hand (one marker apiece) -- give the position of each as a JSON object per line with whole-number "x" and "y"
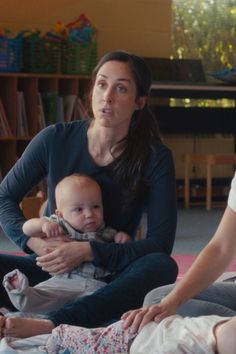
{"x": 43, "y": 245}
{"x": 65, "y": 258}
{"x": 52, "y": 229}
{"x": 137, "y": 319}
{"x": 122, "y": 237}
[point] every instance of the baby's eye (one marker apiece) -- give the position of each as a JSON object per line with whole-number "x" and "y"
{"x": 79, "y": 210}
{"x": 97, "y": 206}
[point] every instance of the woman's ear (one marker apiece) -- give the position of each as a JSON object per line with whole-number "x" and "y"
{"x": 141, "y": 101}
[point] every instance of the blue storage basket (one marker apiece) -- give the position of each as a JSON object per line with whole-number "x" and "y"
{"x": 10, "y": 54}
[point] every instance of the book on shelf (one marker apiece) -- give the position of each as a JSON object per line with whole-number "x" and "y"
{"x": 74, "y": 108}
{"x": 5, "y": 130}
{"x": 53, "y": 108}
{"x": 83, "y": 113}
{"x": 69, "y": 106}
{"x": 60, "y": 109}
{"x": 49, "y": 100}
{"x": 22, "y": 129}
{"x": 80, "y": 111}
{"x": 41, "y": 115}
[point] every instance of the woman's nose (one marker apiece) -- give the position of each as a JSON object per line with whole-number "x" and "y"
{"x": 108, "y": 96}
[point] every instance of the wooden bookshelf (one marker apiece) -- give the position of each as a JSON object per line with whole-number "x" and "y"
{"x": 12, "y": 146}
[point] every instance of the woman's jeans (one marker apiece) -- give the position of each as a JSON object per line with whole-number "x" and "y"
{"x": 218, "y": 299}
{"x": 124, "y": 291}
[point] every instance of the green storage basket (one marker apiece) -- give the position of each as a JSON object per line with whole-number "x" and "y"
{"x": 41, "y": 55}
{"x": 79, "y": 58}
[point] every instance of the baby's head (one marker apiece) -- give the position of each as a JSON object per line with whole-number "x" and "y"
{"x": 79, "y": 202}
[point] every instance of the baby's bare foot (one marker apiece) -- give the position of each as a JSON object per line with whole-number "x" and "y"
{"x": 14, "y": 281}
{"x": 26, "y": 327}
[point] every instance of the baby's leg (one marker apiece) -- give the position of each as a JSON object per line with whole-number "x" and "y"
{"x": 111, "y": 339}
{"x": 14, "y": 280}
{"x": 24, "y": 327}
{"x": 226, "y": 337}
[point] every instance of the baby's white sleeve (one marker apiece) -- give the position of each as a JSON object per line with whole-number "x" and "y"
{"x": 232, "y": 194}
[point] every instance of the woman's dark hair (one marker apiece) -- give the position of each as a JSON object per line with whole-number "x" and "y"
{"x": 143, "y": 131}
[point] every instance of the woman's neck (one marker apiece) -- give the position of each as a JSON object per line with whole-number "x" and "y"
{"x": 100, "y": 142}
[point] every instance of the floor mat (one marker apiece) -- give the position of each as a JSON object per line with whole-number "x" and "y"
{"x": 184, "y": 262}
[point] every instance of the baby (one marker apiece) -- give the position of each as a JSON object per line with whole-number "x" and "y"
{"x": 79, "y": 215}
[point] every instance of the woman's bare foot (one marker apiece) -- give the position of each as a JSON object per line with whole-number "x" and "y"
{"x": 24, "y": 327}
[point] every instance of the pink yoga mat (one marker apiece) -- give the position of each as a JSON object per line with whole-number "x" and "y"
{"x": 184, "y": 261}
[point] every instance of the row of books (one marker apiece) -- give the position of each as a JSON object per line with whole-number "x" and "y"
{"x": 5, "y": 130}
{"x": 52, "y": 108}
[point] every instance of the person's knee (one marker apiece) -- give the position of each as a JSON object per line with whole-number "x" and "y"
{"x": 157, "y": 294}
{"x": 225, "y": 337}
{"x": 163, "y": 264}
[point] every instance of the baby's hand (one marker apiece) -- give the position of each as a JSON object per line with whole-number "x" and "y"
{"x": 52, "y": 229}
{"x": 122, "y": 237}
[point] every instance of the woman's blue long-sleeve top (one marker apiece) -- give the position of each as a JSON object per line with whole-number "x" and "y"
{"x": 62, "y": 149}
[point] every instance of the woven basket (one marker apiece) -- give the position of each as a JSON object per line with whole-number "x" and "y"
{"x": 10, "y": 54}
{"x": 40, "y": 55}
{"x": 78, "y": 58}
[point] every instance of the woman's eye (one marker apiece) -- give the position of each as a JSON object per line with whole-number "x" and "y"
{"x": 122, "y": 89}
{"x": 96, "y": 206}
{"x": 100, "y": 84}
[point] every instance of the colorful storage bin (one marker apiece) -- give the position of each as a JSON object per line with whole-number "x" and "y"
{"x": 41, "y": 56}
{"x": 10, "y": 54}
{"x": 78, "y": 58}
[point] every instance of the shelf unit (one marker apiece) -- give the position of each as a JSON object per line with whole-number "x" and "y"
{"x": 12, "y": 147}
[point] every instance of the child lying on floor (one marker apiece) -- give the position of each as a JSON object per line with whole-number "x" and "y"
{"x": 174, "y": 335}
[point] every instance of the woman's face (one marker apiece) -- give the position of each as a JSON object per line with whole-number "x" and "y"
{"x": 114, "y": 96}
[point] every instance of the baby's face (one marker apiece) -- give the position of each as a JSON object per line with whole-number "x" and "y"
{"x": 82, "y": 208}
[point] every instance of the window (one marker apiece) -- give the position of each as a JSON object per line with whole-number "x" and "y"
{"x": 205, "y": 29}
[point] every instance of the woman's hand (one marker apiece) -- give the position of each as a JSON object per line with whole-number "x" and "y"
{"x": 44, "y": 245}
{"x": 137, "y": 319}
{"x": 65, "y": 258}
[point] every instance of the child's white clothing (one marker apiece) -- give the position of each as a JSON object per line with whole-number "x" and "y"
{"x": 53, "y": 293}
{"x": 178, "y": 335}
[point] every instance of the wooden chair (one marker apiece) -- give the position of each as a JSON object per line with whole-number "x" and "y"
{"x": 209, "y": 160}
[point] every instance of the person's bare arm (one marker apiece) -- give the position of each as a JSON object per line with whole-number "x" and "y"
{"x": 41, "y": 227}
{"x": 210, "y": 263}
{"x": 33, "y": 227}
{"x": 208, "y": 266}
{"x": 44, "y": 235}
